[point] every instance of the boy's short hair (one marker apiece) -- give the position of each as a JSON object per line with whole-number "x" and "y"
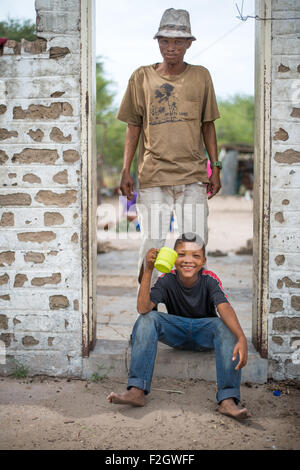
{"x": 190, "y": 237}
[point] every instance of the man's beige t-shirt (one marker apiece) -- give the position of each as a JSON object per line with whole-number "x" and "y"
{"x": 170, "y": 110}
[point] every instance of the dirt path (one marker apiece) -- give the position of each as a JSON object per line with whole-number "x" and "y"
{"x": 43, "y": 413}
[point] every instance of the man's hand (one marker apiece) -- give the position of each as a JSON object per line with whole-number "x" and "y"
{"x": 210, "y": 140}
{"x": 241, "y": 348}
{"x": 126, "y": 185}
{"x": 214, "y": 184}
{"x": 131, "y": 141}
{"x": 150, "y": 258}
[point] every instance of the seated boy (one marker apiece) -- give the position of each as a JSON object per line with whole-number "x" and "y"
{"x": 191, "y": 295}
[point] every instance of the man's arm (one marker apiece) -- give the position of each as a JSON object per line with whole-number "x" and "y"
{"x": 144, "y": 304}
{"x": 210, "y": 140}
{"x": 230, "y": 319}
{"x": 131, "y": 142}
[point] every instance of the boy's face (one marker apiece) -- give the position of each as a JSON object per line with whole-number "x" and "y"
{"x": 190, "y": 260}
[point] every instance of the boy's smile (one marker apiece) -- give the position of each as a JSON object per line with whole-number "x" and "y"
{"x": 189, "y": 262}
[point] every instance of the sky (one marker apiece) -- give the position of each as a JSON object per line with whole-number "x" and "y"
{"x": 125, "y": 30}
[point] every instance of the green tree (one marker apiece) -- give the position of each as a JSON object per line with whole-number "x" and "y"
{"x": 114, "y": 141}
{"x": 236, "y": 125}
{"x": 110, "y": 132}
{"x": 104, "y": 95}
{"x": 18, "y": 29}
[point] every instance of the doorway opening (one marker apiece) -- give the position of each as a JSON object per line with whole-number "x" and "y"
{"x": 237, "y": 246}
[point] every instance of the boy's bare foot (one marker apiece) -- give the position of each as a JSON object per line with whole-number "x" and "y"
{"x": 230, "y": 408}
{"x": 134, "y": 397}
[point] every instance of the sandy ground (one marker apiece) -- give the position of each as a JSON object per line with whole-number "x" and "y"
{"x": 43, "y": 413}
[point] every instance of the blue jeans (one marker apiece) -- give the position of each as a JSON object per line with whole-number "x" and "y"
{"x": 183, "y": 333}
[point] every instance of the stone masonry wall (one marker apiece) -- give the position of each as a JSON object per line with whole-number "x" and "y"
{"x": 284, "y": 313}
{"x": 40, "y": 199}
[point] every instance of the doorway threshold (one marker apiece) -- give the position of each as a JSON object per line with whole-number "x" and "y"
{"x": 116, "y": 306}
{"x": 111, "y": 358}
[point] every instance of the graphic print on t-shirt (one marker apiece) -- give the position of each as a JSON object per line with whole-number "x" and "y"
{"x": 164, "y": 106}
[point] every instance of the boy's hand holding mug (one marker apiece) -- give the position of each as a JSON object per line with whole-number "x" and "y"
{"x": 162, "y": 259}
{"x": 150, "y": 258}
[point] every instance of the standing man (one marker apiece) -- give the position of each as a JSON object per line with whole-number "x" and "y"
{"x": 170, "y": 108}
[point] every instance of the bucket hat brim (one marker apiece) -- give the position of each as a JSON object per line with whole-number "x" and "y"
{"x": 166, "y": 33}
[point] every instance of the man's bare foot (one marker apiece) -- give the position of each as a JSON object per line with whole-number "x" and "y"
{"x": 134, "y": 397}
{"x": 230, "y": 408}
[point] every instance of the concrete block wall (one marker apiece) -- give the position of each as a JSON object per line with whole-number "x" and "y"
{"x": 40, "y": 195}
{"x": 41, "y": 199}
{"x": 284, "y": 267}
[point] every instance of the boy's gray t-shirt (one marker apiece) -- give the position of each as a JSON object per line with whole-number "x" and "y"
{"x": 198, "y": 301}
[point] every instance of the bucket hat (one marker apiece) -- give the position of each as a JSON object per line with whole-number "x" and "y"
{"x": 175, "y": 24}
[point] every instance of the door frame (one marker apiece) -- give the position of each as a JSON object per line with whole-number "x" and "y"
{"x": 261, "y": 190}
{"x": 262, "y": 164}
{"x": 88, "y": 175}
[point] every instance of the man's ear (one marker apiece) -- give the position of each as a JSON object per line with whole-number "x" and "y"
{"x": 189, "y": 43}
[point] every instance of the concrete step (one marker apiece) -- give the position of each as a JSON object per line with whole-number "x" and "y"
{"x": 111, "y": 358}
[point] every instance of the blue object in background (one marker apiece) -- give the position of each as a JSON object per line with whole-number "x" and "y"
{"x": 276, "y": 393}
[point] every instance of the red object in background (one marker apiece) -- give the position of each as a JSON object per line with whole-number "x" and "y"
{"x": 208, "y": 168}
{"x": 3, "y": 41}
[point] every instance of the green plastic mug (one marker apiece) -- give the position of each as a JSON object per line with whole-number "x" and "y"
{"x": 165, "y": 259}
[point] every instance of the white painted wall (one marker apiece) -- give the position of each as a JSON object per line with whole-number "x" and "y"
{"x": 40, "y": 196}
{"x": 284, "y": 259}
{"x": 43, "y": 297}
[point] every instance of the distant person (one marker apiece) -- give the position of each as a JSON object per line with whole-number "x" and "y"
{"x": 130, "y": 211}
{"x": 170, "y": 107}
{"x": 191, "y": 295}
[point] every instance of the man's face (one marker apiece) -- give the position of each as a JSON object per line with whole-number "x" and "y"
{"x": 190, "y": 260}
{"x": 173, "y": 49}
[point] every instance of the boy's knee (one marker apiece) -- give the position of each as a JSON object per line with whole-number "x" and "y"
{"x": 224, "y": 332}
{"x": 144, "y": 330}
{"x": 145, "y": 321}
